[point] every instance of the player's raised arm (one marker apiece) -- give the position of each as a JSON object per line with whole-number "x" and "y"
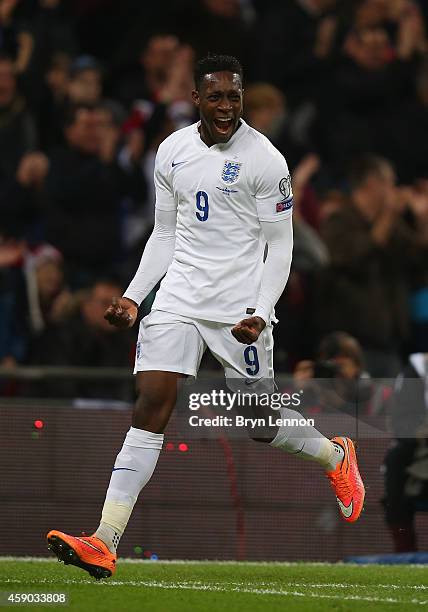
{"x": 157, "y": 254}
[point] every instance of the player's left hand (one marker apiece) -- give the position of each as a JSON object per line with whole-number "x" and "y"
{"x": 248, "y": 330}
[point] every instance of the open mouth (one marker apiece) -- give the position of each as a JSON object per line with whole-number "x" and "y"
{"x": 223, "y": 125}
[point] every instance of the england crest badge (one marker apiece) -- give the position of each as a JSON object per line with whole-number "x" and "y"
{"x": 230, "y": 172}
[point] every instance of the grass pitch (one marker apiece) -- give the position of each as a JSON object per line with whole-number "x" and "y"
{"x": 223, "y": 587}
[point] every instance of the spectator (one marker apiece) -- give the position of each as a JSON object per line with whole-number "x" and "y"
{"x": 71, "y": 83}
{"x": 158, "y": 91}
{"x": 336, "y": 379}
{"x": 368, "y": 85}
{"x": 22, "y": 199}
{"x": 310, "y": 253}
{"x": 48, "y": 299}
{"x": 364, "y": 291}
{"x": 136, "y": 212}
{"x": 16, "y": 40}
{"x": 409, "y": 124}
{"x": 332, "y": 202}
{"x": 148, "y": 75}
{"x": 85, "y": 84}
{"x": 11, "y": 257}
{"x": 402, "y": 19}
{"x": 405, "y": 464}
{"x": 39, "y": 300}
{"x": 419, "y": 283}
{"x": 57, "y": 76}
{"x": 52, "y": 31}
{"x": 294, "y": 46}
{"x": 17, "y": 128}
{"x": 87, "y": 340}
{"x": 84, "y": 189}
{"x": 55, "y": 102}
{"x": 21, "y": 172}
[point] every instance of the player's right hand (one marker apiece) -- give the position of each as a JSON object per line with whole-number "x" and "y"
{"x": 121, "y": 313}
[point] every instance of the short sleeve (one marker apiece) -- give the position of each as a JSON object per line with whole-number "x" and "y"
{"x": 164, "y": 195}
{"x": 273, "y": 191}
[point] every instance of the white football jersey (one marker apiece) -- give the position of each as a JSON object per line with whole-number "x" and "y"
{"x": 221, "y": 193}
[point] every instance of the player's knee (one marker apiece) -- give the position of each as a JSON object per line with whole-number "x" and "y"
{"x": 148, "y": 402}
{"x": 152, "y": 409}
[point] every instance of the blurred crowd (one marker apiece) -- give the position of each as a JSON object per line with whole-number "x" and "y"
{"x": 88, "y": 90}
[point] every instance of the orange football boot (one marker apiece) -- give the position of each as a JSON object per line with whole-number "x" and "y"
{"x": 346, "y": 481}
{"x": 87, "y": 552}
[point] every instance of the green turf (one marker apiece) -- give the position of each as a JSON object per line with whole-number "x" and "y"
{"x": 225, "y": 587}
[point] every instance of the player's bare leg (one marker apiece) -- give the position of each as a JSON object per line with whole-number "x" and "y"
{"x": 134, "y": 466}
{"x": 157, "y": 395}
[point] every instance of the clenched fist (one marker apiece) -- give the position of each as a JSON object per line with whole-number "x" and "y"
{"x": 248, "y": 330}
{"x": 121, "y": 313}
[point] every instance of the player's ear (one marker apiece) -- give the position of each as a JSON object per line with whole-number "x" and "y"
{"x": 195, "y": 97}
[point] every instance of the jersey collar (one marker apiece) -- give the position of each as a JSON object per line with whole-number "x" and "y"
{"x": 243, "y": 129}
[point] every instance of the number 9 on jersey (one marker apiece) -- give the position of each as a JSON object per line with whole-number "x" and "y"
{"x": 202, "y": 206}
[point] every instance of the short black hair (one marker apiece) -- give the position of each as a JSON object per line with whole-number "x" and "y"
{"x": 363, "y": 167}
{"x": 216, "y": 63}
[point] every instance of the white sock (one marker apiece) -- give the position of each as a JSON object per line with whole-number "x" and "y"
{"x": 307, "y": 442}
{"x": 132, "y": 470}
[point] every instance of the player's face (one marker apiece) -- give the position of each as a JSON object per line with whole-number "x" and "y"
{"x": 219, "y": 100}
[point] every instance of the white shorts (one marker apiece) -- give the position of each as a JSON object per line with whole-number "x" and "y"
{"x": 174, "y": 343}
